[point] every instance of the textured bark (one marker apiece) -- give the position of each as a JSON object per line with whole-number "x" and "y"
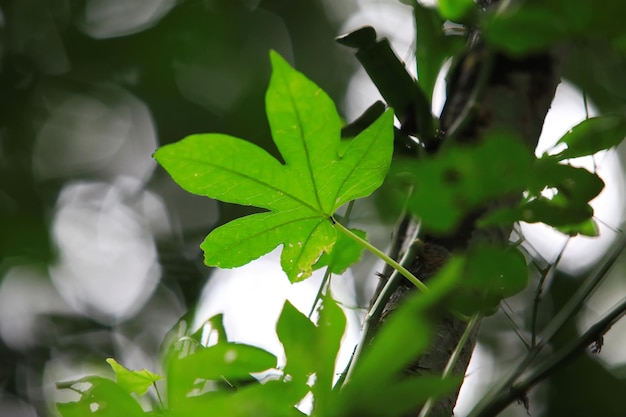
{"x": 515, "y": 96}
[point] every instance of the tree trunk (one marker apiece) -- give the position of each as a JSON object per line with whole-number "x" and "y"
{"x": 488, "y": 90}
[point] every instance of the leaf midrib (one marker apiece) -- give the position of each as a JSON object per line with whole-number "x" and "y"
{"x": 306, "y": 149}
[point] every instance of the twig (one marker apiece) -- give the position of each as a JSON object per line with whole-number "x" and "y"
{"x": 499, "y": 397}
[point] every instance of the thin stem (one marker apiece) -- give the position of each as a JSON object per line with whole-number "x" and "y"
{"x": 405, "y": 272}
{"x": 539, "y": 291}
{"x": 557, "y": 359}
{"x": 514, "y": 325}
{"x": 320, "y": 290}
{"x": 454, "y": 358}
{"x": 546, "y": 367}
{"x": 158, "y": 395}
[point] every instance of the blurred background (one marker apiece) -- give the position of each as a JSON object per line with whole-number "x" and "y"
{"x": 99, "y": 251}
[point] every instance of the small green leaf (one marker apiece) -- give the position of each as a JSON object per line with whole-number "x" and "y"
{"x": 511, "y": 30}
{"x": 298, "y": 335}
{"x": 432, "y": 46}
{"x": 577, "y": 185}
{"x": 393, "y": 399}
{"x": 459, "y": 179}
{"x": 557, "y": 212}
{"x": 271, "y": 399}
{"x": 331, "y": 327}
{"x": 312, "y": 349}
{"x": 302, "y": 194}
{"x": 585, "y": 228}
{"x": 593, "y": 135}
{"x": 554, "y": 213}
{"x": 533, "y": 26}
{"x": 492, "y": 274}
{"x": 456, "y": 10}
{"x": 133, "y": 381}
{"x": 103, "y": 398}
{"x": 230, "y": 362}
{"x": 344, "y": 254}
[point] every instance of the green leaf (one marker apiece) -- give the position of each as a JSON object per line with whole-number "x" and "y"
{"x": 553, "y": 21}
{"x": 567, "y": 210}
{"x": 492, "y": 274}
{"x": 555, "y": 213}
{"x": 103, "y": 398}
{"x": 344, "y": 254}
{"x": 133, "y": 381}
{"x": 458, "y": 179}
{"x": 271, "y": 399}
{"x": 331, "y": 327}
{"x": 576, "y": 185}
{"x": 585, "y": 228}
{"x": 456, "y": 10}
{"x": 510, "y": 30}
{"x": 298, "y": 335}
{"x": 593, "y": 135}
{"x": 302, "y": 194}
{"x": 312, "y": 349}
{"x": 230, "y": 362}
{"x": 393, "y": 399}
{"x": 432, "y": 46}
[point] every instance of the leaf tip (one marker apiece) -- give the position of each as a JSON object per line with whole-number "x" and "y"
{"x": 277, "y": 59}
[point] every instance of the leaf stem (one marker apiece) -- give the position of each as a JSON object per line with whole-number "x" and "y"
{"x": 544, "y": 273}
{"x": 402, "y": 270}
{"x": 156, "y": 389}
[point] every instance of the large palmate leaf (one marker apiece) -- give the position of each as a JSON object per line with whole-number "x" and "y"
{"x": 300, "y": 195}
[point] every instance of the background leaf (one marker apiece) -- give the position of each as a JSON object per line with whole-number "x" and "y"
{"x": 456, "y": 180}
{"x": 593, "y": 135}
{"x": 432, "y": 46}
{"x": 455, "y": 10}
{"x": 104, "y": 398}
{"x": 492, "y": 274}
{"x": 230, "y": 362}
{"x": 271, "y": 399}
{"x": 298, "y": 336}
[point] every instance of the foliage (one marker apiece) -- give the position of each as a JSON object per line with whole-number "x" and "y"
{"x": 318, "y": 177}
{"x": 319, "y": 173}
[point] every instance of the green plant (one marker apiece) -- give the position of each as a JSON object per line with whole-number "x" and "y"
{"x": 467, "y": 181}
